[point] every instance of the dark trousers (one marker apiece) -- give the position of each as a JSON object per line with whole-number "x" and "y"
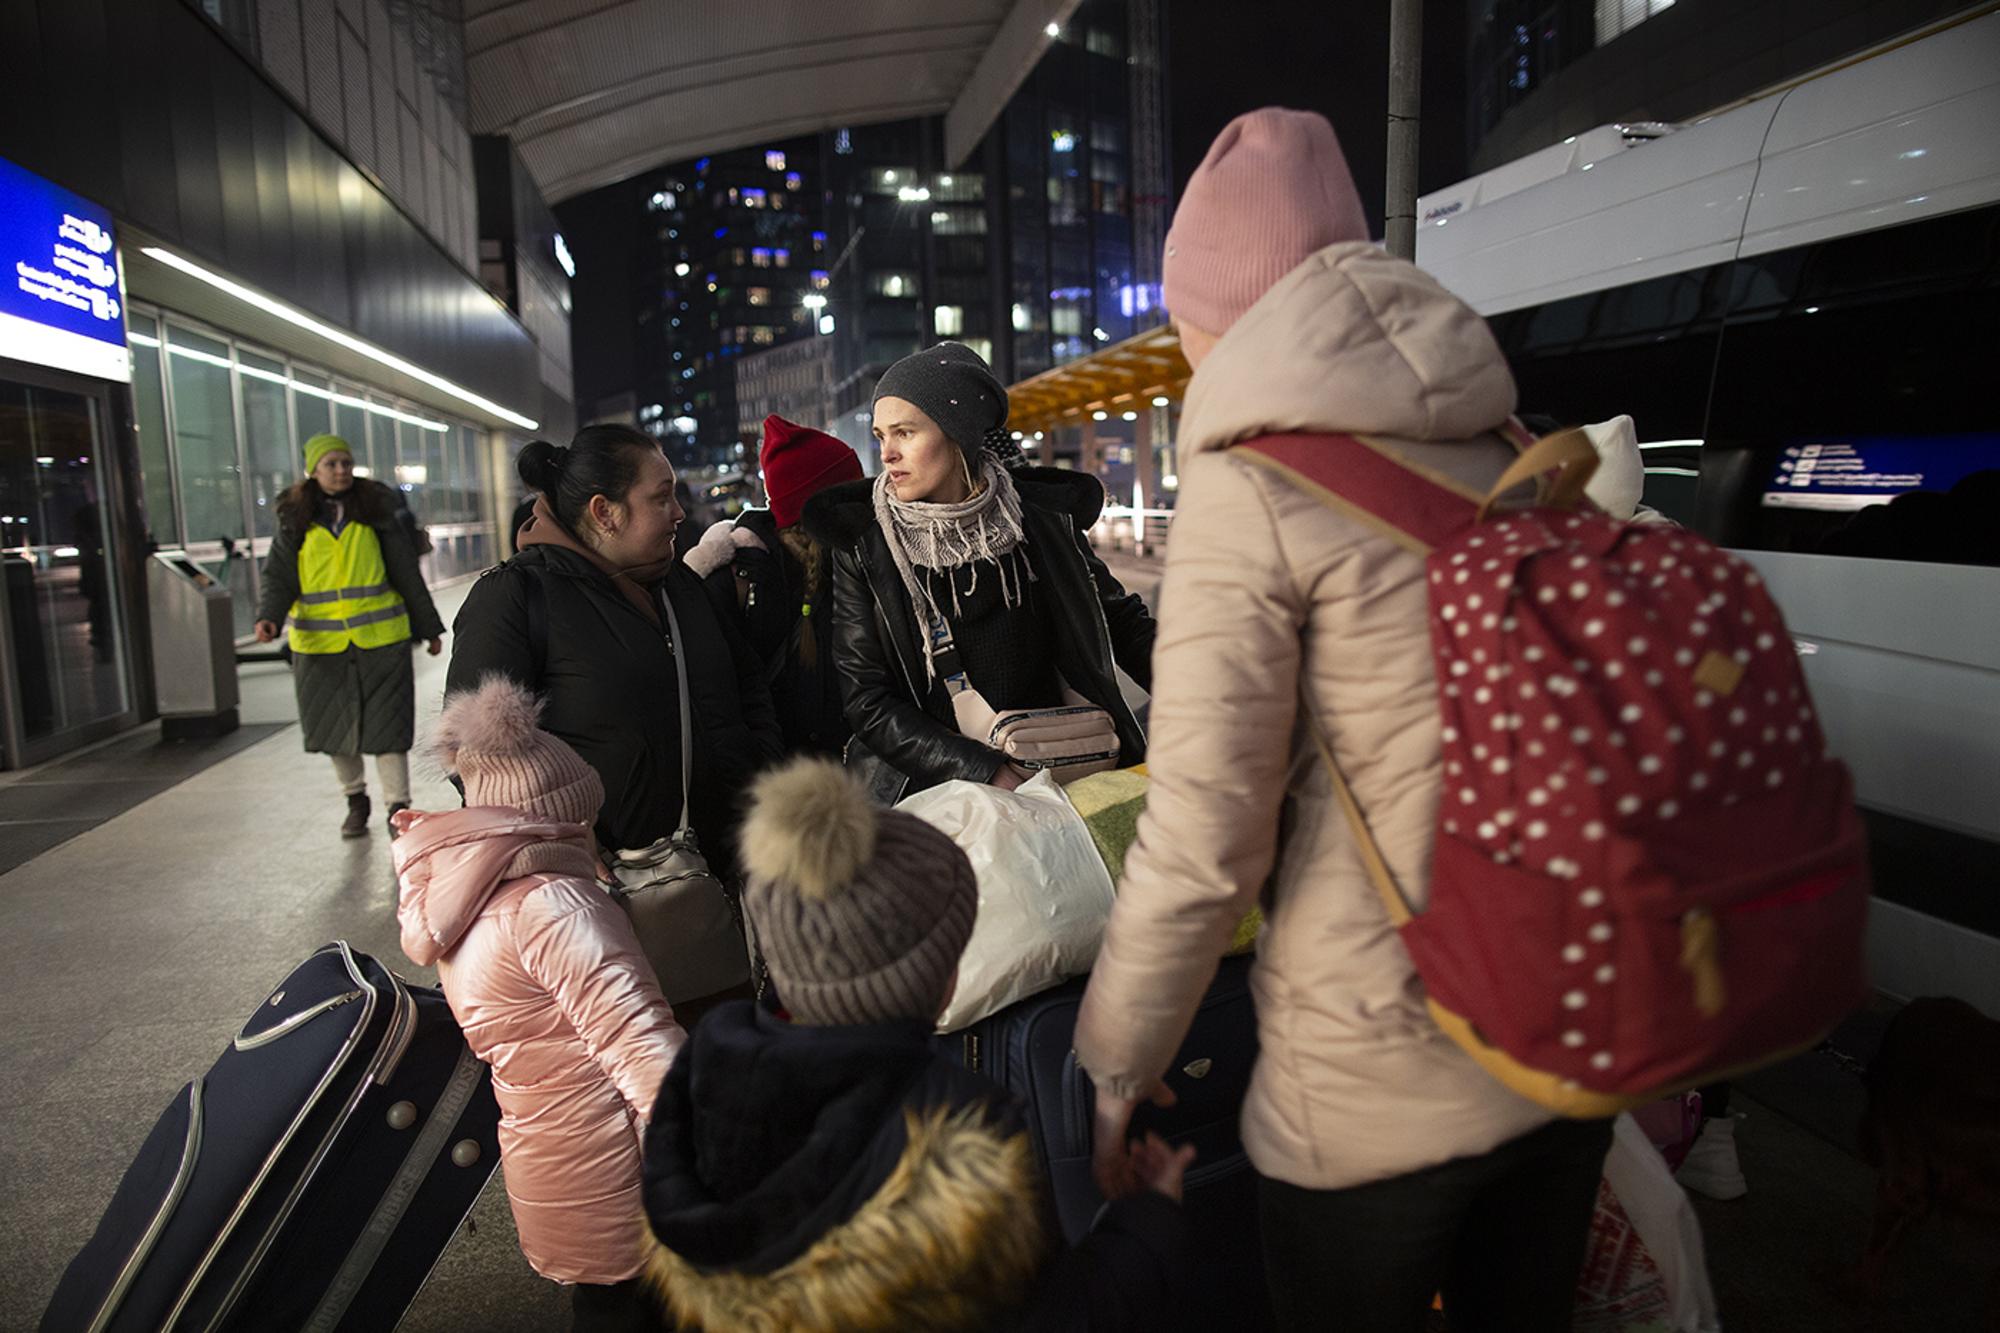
{"x": 1502, "y": 1235}
{"x": 618, "y": 1307}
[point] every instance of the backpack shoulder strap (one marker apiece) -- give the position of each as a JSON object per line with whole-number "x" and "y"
{"x": 1415, "y": 507}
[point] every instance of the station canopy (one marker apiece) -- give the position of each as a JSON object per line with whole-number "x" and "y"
{"x": 593, "y": 92}
{"x": 1124, "y": 377}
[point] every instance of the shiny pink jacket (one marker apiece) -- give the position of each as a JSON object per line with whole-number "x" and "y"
{"x": 544, "y": 974}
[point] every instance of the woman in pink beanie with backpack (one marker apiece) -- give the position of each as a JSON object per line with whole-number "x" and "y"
{"x": 1391, "y": 1164}
{"x": 544, "y": 974}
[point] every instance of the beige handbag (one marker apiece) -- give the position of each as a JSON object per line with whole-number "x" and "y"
{"x": 1072, "y": 740}
{"x": 685, "y": 920}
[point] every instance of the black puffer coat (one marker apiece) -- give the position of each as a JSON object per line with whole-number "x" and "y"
{"x": 906, "y": 719}
{"x": 822, "y": 1178}
{"x": 607, "y": 675}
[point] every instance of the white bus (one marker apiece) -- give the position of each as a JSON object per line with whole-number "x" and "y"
{"x": 1797, "y": 299}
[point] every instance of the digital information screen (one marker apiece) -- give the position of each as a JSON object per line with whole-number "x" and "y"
{"x": 61, "y": 302}
{"x": 1862, "y": 470}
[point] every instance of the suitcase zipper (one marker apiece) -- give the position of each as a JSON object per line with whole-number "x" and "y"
{"x": 190, "y": 1153}
{"x": 402, "y": 1030}
{"x": 294, "y": 1023}
{"x": 243, "y": 1203}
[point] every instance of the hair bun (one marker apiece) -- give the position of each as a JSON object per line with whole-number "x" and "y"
{"x": 540, "y": 465}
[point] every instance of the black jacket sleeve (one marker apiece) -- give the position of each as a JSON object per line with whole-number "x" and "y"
{"x": 1125, "y": 1274}
{"x": 879, "y": 707}
{"x": 1131, "y": 624}
{"x": 406, "y": 576}
{"x": 278, "y": 578}
{"x": 491, "y": 633}
{"x": 759, "y": 714}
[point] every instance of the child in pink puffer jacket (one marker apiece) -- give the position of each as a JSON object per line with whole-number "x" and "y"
{"x": 546, "y": 977}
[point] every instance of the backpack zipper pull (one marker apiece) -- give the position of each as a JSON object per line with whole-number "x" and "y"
{"x": 1701, "y": 958}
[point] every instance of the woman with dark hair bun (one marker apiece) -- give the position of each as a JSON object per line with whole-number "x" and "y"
{"x": 585, "y": 616}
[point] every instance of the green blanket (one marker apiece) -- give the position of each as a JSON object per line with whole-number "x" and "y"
{"x": 1110, "y": 804}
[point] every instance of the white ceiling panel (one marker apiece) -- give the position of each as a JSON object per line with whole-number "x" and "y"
{"x": 594, "y": 91}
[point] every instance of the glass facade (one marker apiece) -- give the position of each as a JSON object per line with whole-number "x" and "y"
{"x": 222, "y": 427}
{"x": 1067, "y": 140}
{"x": 60, "y": 644}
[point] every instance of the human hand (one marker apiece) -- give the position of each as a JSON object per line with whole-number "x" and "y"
{"x": 435, "y": 646}
{"x": 266, "y": 631}
{"x": 1160, "y": 1166}
{"x": 1007, "y": 777}
{"x": 1111, "y": 1158}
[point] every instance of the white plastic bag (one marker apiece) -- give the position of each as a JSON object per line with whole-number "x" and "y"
{"x": 1645, "y": 1271}
{"x": 1044, "y": 894}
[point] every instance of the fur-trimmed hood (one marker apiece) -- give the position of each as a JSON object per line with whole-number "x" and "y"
{"x": 804, "y": 1178}
{"x": 840, "y": 515}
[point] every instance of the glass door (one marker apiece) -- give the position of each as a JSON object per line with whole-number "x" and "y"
{"x": 61, "y": 629}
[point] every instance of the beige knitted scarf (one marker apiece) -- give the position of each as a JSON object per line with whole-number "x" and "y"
{"x": 986, "y": 525}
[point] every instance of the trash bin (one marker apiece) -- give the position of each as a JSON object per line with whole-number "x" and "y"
{"x": 194, "y": 647}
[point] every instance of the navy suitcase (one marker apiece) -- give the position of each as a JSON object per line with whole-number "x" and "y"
{"x": 309, "y": 1180}
{"x": 1028, "y": 1048}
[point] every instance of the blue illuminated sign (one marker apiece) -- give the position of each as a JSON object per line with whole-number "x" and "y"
{"x": 61, "y": 303}
{"x": 1855, "y": 471}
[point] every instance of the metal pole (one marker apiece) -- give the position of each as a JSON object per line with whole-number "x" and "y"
{"x": 1406, "y": 49}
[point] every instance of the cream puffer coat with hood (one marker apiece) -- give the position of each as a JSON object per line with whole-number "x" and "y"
{"x": 1267, "y": 589}
{"x": 546, "y": 977}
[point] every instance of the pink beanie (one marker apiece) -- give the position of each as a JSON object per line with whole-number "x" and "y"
{"x": 489, "y": 737}
{"x": 1273, "y": 190}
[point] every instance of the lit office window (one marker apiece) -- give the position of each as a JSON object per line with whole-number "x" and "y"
{"x": 1617, "y": 17}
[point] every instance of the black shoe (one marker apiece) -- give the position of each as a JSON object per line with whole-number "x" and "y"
{"x": 394, "y": 806}
{"x": 358, "y": 809}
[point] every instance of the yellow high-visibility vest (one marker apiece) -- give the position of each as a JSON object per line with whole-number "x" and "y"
{"x": 344, "y": 593}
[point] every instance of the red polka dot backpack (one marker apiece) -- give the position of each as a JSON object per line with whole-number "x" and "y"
{"x": 1649, "y": 871}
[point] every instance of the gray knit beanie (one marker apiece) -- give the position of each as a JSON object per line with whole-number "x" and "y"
{"x": 955, "y": 388}
{"x": 861, "y": 913}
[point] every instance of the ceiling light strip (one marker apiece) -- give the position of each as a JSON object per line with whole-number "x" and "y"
{"x": 337, "y": 336}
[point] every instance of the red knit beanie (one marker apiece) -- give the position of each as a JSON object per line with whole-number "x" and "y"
{"x": 1273, "y": 191}
{"x": 800, "y": 462}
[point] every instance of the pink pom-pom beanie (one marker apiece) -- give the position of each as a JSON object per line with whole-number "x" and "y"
{"x": 491, "y": 738}
{"x": 1273, "y": 190}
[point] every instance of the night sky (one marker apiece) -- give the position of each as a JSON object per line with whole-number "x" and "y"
{"x": 1330, "y": 56}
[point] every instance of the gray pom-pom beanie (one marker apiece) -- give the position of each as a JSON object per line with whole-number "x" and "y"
{"x": 861, "y": 913}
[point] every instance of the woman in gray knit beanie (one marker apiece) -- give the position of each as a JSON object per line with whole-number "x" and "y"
{"x": 956, "y": 569}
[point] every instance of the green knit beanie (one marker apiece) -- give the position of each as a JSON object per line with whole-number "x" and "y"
{"x": 319, "y": 446}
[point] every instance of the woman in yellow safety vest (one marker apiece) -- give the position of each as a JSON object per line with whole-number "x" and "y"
{"x": 345, "y": 571}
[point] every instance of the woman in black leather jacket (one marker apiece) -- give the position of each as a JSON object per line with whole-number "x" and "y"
{"x": 949, "y": 534}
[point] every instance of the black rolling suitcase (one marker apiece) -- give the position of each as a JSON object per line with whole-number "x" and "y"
{"x": 309, "y": 1180}
{"x": 1028, "y": 1048}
